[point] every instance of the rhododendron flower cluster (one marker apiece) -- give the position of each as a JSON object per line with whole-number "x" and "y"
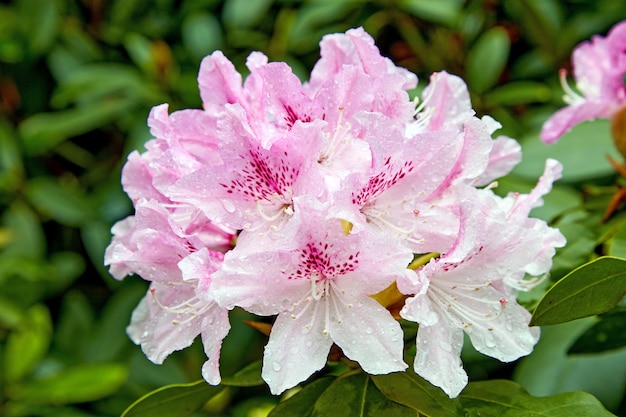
{"x": 304, "y": 201}
{"x": 599, "y": 71}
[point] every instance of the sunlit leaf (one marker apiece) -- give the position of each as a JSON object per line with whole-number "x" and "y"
{"x": 498, "y": 398}
{"x": 591, "y": 289}
{"x": 413, "y": 391}
{"x": 178, "y": 400}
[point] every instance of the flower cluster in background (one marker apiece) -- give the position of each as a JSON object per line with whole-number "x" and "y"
{"x": 304, "y": 201}
{"x": 599, "y": 70}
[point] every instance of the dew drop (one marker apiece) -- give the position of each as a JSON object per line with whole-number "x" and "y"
{"x": 369, "y": 330}
{"x": 229, "y": 206}
{"x": 276, "y": 366}
{"x": 294, "y": 350}
{"x": 489, "y": 342}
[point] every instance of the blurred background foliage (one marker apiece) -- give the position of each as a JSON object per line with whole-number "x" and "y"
{"x": 77, "y": 79}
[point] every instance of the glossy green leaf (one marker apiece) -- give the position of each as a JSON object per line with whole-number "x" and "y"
{"x": 413, "y": 391}
{"x": 497, "y": 398}
{"x": 28, "y": 343}
{"x": 487, "y": 59}
{"x": 178, "y": 400}
{"x": 81, "y": 383}
{"x": 607, "y": 334}
{"x": 250, "y": 376}
{"x": 301, "y": 404}
{"x": 357, "y": 395}
{"x": 591, "y": 289}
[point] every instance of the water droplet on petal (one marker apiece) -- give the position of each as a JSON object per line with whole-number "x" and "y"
{"x": 369, "y": 330}
{"x": 229, "y": 206}
{"x": 294, "y": 350}
{"x": 276, "y": 366}
{"x": 489, "y": 341}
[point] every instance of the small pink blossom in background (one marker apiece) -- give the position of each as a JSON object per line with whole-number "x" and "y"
{"x": 303, "y": 201}
{"x": 599, "y": 69}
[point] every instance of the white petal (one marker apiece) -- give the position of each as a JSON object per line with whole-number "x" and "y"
{"x": 368, "y": 334}
{"x": 438, "y": 358}
{"x": 296, "y": 349}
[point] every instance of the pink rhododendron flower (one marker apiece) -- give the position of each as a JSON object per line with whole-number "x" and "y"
{"x": 178, "y": 306}
{"x": 305, "y": 200}
{"x": 319, "y": 282}
{"x": 599, "y": 70}
{"x": 472, "y": 287}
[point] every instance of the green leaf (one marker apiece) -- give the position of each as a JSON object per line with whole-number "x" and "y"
{"x": 27, "y": 345}
{"x": 65, "y": 203}
{"x": 413, "y": 391}
{"x": 11, "y": 169}
{"x": 357, "y": 395}
{"x": 549, "y": 370}
{"x": 25, "y": 236}
{"x": 301, "y": 404}
{"x": 202, "y": 34}
{"x": 446, "y": 12}
{"x": 607, "y": 334}
{"x": 178, "y": 400}
{"x": 591, "y": 289}
{"x": 498, "y": 398}
{"x": 518, "y": 92}
{"x": 582, "y": 151}
{"x": 487, "y": 59}
{"x": 87, "y": 382}
{"x": 244, "y": 13}
{"x": 617, "y": 243}
{"x": 250, "y": 376}
{"x": 43, "y": 131}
